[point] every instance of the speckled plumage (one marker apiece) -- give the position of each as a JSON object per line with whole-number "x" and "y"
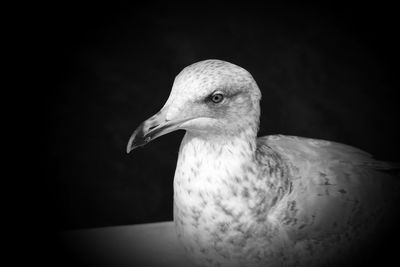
{"x": 276, "y": 200}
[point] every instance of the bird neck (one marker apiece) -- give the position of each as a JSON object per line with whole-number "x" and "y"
{"x": 221, "y": 167}
{"x": 230, "y": 149}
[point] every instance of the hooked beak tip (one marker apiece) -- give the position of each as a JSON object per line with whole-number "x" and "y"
{"x": 137, "y": 139}
{"x": 129, "y": 147}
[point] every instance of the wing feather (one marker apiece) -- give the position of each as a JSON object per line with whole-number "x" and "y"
{"x": 336, "y": 191}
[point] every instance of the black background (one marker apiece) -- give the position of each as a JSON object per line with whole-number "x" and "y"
{"x": 325, "y": 72}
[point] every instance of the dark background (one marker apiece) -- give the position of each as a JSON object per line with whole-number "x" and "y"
{"x": 325, "y": 72}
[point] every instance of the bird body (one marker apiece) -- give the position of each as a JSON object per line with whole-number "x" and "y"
{"x": 276, "y": 200}
{"x": 283, "y": 199}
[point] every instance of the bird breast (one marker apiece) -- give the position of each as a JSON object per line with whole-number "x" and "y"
{"x": 219, "y": 204}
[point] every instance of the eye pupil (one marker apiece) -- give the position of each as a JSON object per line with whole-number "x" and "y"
{"x": 217, "y": 98}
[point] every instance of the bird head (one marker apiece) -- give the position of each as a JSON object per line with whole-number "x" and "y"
{"x": 208, "y": 98}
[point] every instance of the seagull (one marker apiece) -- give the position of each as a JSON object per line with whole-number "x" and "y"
{"x": 277, "y": 200}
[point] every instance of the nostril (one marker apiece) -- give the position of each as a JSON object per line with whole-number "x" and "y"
{"x": 152, "y": 127}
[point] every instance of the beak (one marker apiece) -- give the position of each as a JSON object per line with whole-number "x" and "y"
{"x": 152, "y": 128}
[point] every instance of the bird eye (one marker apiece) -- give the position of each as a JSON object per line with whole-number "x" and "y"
{"x": 217, "y": 98}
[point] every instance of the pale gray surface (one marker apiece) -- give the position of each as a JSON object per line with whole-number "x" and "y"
{"x": 153, "y": 244}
